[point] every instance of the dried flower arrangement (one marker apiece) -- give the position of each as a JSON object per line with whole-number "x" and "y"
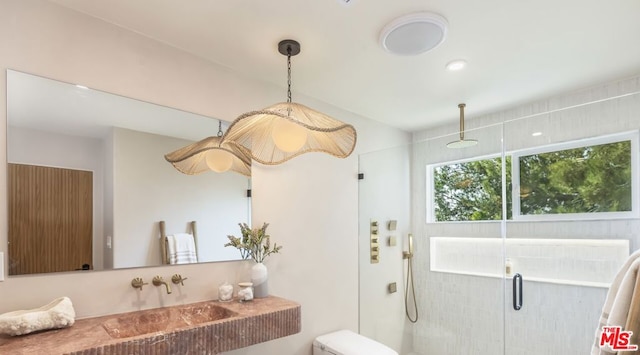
{"x": 255, "y": 243}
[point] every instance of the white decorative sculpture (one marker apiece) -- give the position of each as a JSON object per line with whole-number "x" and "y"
{"x": 59, "y": 313}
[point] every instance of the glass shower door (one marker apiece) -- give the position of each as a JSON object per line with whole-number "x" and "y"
{"x": 384, "y": 224}
{"x": 572, "y": 224}
{"x": 457, "y": 223}
{"x": 429, "y": 191}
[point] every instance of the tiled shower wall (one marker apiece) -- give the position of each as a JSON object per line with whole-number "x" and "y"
{"x": 464, "y": 314}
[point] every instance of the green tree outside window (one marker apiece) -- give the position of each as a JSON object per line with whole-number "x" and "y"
{"x": 588, "y": 179}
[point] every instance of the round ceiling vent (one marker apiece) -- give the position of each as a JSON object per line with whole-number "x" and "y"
{"x": 414, "y": 33}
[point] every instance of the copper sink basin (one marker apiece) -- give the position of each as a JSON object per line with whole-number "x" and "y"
{"x": 164, "y": 319}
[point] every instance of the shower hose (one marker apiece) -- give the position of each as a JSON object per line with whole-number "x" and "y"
{"x": 413, "y": 292}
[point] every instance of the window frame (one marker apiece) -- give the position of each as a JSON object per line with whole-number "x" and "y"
{"x": 580, "y": 143}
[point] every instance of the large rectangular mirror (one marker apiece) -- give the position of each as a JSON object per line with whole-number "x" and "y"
{"x": 89, "y": 185}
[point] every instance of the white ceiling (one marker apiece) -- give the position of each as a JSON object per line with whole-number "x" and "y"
{"x": 518, "y": 51}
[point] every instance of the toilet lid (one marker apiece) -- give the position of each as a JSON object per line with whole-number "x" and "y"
{"x": 346, "y": 342}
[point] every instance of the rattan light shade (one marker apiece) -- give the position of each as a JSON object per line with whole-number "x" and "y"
{"x": 191, "y": 159}
{"x": 255, "y": 132}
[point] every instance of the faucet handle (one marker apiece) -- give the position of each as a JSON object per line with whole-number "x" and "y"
{"x": 138, "y": 283}
{"x": 177, "y": 279}
{"x": 157, "y": 280}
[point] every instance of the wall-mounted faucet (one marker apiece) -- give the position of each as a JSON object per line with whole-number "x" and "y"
{"x": 157, "y": 281}
{"x": 177, "y": 279}
{"x": 138, "y": 283}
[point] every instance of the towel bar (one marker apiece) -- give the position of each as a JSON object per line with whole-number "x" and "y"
{"x": 163, "y": 240}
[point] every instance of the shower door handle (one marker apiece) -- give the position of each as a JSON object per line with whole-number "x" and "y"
{"x": 517, "y": 292}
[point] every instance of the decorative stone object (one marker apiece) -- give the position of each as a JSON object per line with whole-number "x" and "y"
{"x": 225, "y": 292}
{"x": 246, "y": 291}
{"x": 59, "y": 313}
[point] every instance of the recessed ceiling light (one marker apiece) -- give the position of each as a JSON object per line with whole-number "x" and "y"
{"x": 456, "y": 65}
{"x": 414, "y": 33}
{"x": 536, "y": 134}
{"x": 81, "y": 87}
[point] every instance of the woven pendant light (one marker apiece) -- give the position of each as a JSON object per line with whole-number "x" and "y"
{"x": 285, "y": 130}
{"x": 211, "y": 154}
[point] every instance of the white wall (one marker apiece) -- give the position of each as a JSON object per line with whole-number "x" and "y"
{"x": 147, "y": 190}
{"x": 311, "y": 202}
{"x": 69, "y": 152}
{"x": 466, "y": 314}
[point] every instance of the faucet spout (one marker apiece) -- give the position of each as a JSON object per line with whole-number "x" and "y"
{"x": 157, "y": 281}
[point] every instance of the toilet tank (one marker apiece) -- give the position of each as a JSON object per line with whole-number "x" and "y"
{"x": 346, "y": 342}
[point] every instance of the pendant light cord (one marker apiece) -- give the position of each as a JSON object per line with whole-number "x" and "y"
{"x": 219, "y": 128}
{"x": 289, "y": 80}
{"x": 289, "y": 74}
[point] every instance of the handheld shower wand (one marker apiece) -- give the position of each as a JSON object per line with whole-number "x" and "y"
{"x": 409, "y": 256}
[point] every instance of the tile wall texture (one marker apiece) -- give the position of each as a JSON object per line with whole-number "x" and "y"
{"x": 462, "y": 314}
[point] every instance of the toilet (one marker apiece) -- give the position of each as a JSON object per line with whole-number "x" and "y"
{"x": 346, "y": 342}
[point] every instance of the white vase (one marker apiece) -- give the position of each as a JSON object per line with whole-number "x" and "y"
{"x": 259, "y": 278}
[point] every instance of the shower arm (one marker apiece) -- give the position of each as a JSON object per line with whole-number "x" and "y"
{"x": 461, "y": 106}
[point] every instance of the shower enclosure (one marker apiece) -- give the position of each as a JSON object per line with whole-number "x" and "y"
{"x": 516, "y": 239}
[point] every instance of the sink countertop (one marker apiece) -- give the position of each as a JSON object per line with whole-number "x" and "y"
{"x": 257, "y": 321}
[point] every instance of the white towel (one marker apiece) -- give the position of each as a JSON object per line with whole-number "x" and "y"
{"x": 618, "y": 301}
{"x": 181, "y": 249}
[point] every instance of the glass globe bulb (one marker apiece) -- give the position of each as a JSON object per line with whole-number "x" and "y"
{"x": 218, "y": 160}
{"x": 288, "y": 136}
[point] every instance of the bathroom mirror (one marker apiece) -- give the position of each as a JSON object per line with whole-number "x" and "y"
{"x": 118, "y": 144}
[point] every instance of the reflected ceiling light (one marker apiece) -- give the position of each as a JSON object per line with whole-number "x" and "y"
{"x": 211, "y": 154}
{"x": 462, "y": 142}
{"x": 536, "y": 134}
{"x": 285, "y": 130}
{"x": 456, "y": 65}
{"x": 82, "y": 87}
{"x": 414, "y": 34}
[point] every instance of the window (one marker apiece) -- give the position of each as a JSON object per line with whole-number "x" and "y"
{"x": 468, "y": 190}
{"x": 593, "y": 178}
